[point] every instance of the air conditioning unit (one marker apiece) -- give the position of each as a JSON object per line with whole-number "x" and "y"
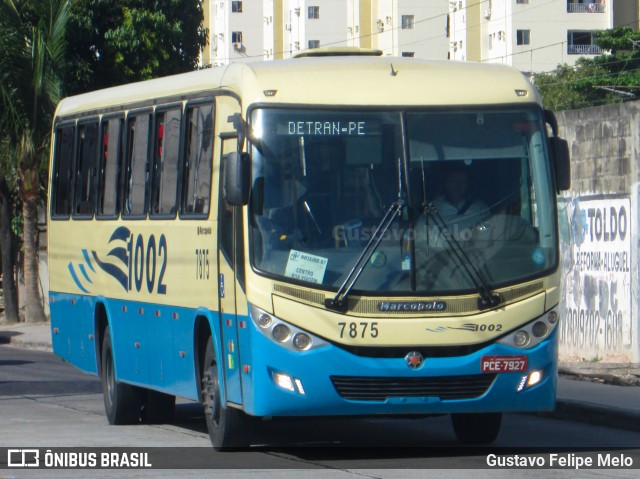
{"x": 487, "y": 13}
{"x": 288, "y": 27}
{"x": 297, "y": 11}
{"x": 238, "y": 46}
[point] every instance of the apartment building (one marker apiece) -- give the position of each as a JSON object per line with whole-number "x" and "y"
{"x": 239, "y": 31}
{"x": 273, "y": 29}
{"x": 532, "y": 35}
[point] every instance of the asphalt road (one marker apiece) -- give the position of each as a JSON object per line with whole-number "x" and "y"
{"x": 47, "y": 403}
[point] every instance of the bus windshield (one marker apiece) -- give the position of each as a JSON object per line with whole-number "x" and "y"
{"x": 476, "y": 180}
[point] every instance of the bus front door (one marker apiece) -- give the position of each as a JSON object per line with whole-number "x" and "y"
{"x": 230, "y": 263}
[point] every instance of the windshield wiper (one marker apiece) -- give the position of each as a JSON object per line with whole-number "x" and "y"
{"x": 488, "y": 299}
{"x": 339, "y": 301}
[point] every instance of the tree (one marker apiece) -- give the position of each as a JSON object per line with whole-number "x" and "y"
{"x": 116, "y": 42}
{"x": 31, "y": 60}
{"x": 8, "y": 239}
{"x": 611, "y": 77}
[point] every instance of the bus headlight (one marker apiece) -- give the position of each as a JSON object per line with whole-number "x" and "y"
{"x": 283, "y": 333}
{"x": 521, "y": 338}
{"x": 532, "y": 333}
{"x": 539, "y": 329}
{"x": 264, "y": 320}
{"x": 302, "y": 341}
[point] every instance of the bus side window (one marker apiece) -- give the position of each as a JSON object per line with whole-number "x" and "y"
{"x": 110, "y": 155}
{"x": 198, "y": 160}
{"x": 85, "y": 171}
{"x": 137, "y": 171}
{"x": 167, "y": 154}
{"x": 62, "y": 169}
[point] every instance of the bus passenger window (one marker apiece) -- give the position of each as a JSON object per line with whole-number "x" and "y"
{"x": 167, "y": 153}
{"x": 198, "y": 159}
{"x": 110, "y": 154}
{"x": 61, "y": 204}
{"x": 85, "y": 197}
{"x": 137, "y": 172}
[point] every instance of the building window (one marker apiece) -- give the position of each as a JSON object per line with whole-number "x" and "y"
{"x": 408, "y": 22}
{"x": 236, "y": 7}
{"x": 523, "y": 37}
{"x": 582, "y": 43}
{"x": 314, "y": 44}
{"x": 586, "y": 6}
{"x": 522, "y": 1}
{"x": 236, "y": 37}
{"x": 313, "y": 13}
{"x": 409, "y": 54}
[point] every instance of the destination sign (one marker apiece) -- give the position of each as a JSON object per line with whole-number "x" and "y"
{"x": 328, "y": 128}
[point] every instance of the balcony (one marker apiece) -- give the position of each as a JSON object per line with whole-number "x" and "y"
{"x": 584, "y": 50}
{"x": 586, "y": 7}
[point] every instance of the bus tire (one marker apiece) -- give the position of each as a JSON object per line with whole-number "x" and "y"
{"x": 158, "y": 408}
{"x": 229, "y": 428}
{"x": 476, "y": 428}
{"x": 122, "y": 402}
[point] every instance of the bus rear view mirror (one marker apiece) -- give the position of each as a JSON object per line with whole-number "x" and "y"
{"x": 561, "y": 166}
{"x": 237, "y": 177}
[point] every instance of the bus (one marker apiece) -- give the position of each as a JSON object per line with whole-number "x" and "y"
{"x": 269, "y": 240}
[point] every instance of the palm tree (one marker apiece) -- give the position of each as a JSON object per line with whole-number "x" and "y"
{"x": 32, "y": 47}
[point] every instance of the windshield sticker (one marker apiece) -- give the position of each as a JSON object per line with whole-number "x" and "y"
{"x": 306, "y": 267}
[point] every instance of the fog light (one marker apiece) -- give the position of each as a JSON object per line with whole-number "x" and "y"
{"x": 539, "y": 329}
{"x": 302, "y": 341}
{"x": 299, "y": 386}
{"x": 522, "y": 383}
{"x": 534, "y": 378}
{"x": 264, "y": 320}
{"x": 521, "y": 338}
{"x": 552, "y": 317}
{"x": 281, "y": 333}
{"x": 284, "y": 381}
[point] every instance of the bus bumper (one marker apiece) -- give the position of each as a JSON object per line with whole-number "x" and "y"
{"x": 311, "y": 389}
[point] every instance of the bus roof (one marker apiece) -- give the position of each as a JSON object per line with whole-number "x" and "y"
{"x": 340, "y": 81}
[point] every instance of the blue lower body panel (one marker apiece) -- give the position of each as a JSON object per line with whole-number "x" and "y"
{"x": 318, "y": 395}
{"x": 154, "y": 347}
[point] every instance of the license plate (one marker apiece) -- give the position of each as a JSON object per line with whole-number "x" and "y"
{"x": 503, "y": 364}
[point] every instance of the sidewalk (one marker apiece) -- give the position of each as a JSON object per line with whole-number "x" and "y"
{"x": 595, "y": 393}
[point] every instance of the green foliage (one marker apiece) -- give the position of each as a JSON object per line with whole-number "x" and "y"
{"x": 32, "y": 47}
{"x": 116, "y": 42}
{"x": 608, "y": 78}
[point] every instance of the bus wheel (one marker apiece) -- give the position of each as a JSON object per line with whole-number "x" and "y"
{"x": 158, "y": 407}
{"x": 229, "y": 428}
{"x": 122, "y": 402}
{"x": 476, "y": 428}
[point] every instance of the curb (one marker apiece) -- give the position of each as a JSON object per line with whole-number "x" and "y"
{"x": 594, "y": 414}
{"x": 18, "y": 343}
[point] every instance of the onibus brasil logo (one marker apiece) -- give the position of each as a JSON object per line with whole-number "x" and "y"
{"x": 135, "y": 263}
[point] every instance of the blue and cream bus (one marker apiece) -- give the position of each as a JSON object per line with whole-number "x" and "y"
{"x": 269, "y": 239}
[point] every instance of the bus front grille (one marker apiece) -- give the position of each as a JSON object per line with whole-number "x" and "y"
{"x": 361, "y": 388}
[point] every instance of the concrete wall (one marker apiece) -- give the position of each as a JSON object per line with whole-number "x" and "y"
{"x": 600, "y": 240}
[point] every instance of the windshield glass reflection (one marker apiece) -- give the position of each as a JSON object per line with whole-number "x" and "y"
{"x": 323, "y": 181}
